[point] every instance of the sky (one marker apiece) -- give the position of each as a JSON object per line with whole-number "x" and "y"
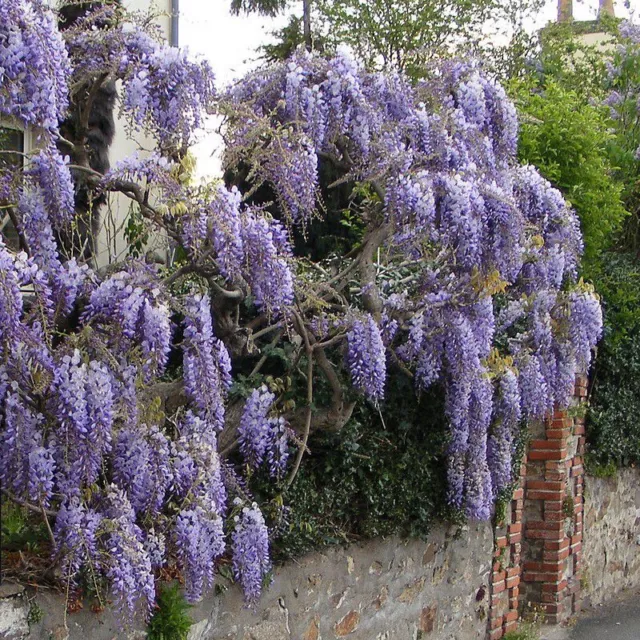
{"x": 230, "y": 43}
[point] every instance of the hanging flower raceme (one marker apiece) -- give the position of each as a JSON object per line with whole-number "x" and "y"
{"x": 85, "y": 406}
{"x": 128, "y": 564}
{"x": 207, "y": 367}
{"x": 76, "y": 534}
{"x": 251, "y": 562}
{"x": 133, "y": 304}
{"x": 262, "y": 436}
{"x": 366, "y": 357}
{"x": 200, "y": 542}
{"x": 50, "y": 171}
{"x": 141, "y": 466}
{"x": 34, "y": 66}
{"x": 266, "y": 258}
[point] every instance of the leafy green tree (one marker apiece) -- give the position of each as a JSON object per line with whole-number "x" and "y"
{"x": 407, "y": 34}
{"x": 402, "y": 34}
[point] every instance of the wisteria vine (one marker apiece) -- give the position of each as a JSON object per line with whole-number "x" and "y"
{"x": 120, "y": 417}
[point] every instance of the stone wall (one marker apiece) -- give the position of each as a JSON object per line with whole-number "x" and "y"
{"x": 382, "y": 590}
{"x": 611, "y": 536}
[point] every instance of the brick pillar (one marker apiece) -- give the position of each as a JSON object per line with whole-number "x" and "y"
{"x": 505, "y": 574}
{"x": 553, "y": 512}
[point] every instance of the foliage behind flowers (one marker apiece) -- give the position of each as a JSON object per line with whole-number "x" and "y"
{"x": 120, "y": 417}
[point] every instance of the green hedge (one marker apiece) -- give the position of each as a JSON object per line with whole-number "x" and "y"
{"x": 613, "y": 422}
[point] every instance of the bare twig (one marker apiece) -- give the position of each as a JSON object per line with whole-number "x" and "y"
{"x": 32, "y": 507}
{"x": 46, "y": 521}
{"x": 264, "y": 357}
{"x": 307, "y": 424}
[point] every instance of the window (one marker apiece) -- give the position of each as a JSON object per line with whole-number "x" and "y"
{"x": 12, "y": 148}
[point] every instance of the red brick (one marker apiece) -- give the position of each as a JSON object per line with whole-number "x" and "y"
{"x": 547, "y": 526}
{"x": 537, "y": 576}
{"x": 496, "y": 623}
{"x": 554, "y": 608}
{"x": 550, "y": 556}
{"x": 498, "y": 600}
{"x": 501, "y": 542}
{"x": 513, "y": 582}
{"x": 532, "y": 565}
{"x": 559, "y": 454}
{"x": 542, "y": 495}
{"x": 518, "y": 494}
{"x": 498, "y": 588}
{"x": 496, "y": 634}
{"x": 516, "y": 527}
{"x": 557, "y": 587}
{"x": 551, "y": 597}
{"x": 555, "y": 476}
{"x": 498, "y": 576}
{"x": 545, "y": 445}
{"x": 558, "y": 434}
{"x": 514, "y": 593}
{"x": 538, "y": 534}
{"x": 546, "y": 485}
{"x": 552, "y": 545}
{"x": 579, "y": 430}
{"x": 559, "y": 414}
{"x": 512, "y": 615}
{"x": 551, "y": 515}
{"x": 515, "y": 537}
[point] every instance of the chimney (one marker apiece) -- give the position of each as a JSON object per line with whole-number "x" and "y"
{"x": 565, "y": 10}
{"x": 606, "y": 9}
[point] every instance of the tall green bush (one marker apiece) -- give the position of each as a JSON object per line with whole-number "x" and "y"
{"x": 568, "y": 140}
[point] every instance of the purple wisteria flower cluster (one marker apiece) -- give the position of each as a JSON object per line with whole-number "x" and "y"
{"x": 34, "y": 65}
{"x": 251, "y": 562}
{"x": 248, "y": 245}
{"x": 366, "y": 357}
{"x": 262, "y": 436}
{"x": 166, "y": 92}
{"x": 474, "y": 235}
{"x": 85, "y": 351}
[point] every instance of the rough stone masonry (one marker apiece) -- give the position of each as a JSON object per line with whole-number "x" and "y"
{"x": 382, "y": 590}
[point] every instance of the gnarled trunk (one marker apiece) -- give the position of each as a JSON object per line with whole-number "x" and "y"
{"x": 606, "y": 9}
{"x": 565, "y": 10}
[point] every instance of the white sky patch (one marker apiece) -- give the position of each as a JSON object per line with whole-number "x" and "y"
{"x": 230, "y": 43}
